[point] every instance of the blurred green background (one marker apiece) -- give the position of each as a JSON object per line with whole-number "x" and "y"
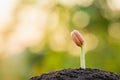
{"x": 35, "y": 36}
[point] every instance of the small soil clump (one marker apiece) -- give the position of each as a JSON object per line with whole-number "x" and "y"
{"x": 78, "y": 74}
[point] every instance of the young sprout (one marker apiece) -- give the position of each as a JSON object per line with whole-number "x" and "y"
{"x": 79, "y": 41}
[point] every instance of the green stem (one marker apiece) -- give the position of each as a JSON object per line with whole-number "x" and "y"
{"x": 82, "y": 58}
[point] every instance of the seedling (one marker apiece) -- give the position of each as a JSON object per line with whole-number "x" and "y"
{"x": 78, "y": 39}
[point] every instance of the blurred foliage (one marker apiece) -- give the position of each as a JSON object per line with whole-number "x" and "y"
{"x": 37, "y": 38}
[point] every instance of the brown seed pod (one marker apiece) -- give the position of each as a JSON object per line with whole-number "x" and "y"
{"x": 77, "y": 38}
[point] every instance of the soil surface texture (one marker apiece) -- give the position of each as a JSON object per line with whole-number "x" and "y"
{"x": 78, "y": 74}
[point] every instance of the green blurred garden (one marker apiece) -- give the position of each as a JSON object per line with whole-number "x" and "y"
{"x": 35, "y": 36}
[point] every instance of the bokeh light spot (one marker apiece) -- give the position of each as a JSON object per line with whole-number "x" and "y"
{"x": 6, "y": 10}
{"x": 58, "y": 40}
{"x": 91, "y": 42}
{"x": 114, "y": 30}
{"x": 84, "y": 3}
{"x": 81, "y": 19}
{"x": 114, "y": 4}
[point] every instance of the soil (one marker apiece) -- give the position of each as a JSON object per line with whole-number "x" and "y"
{"x": 78, "y": 74}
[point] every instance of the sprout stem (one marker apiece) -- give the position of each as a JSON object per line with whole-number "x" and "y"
{"x": 82, "y": 58}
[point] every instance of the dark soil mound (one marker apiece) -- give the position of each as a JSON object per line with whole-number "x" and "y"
{"x": 78, "y": 74}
